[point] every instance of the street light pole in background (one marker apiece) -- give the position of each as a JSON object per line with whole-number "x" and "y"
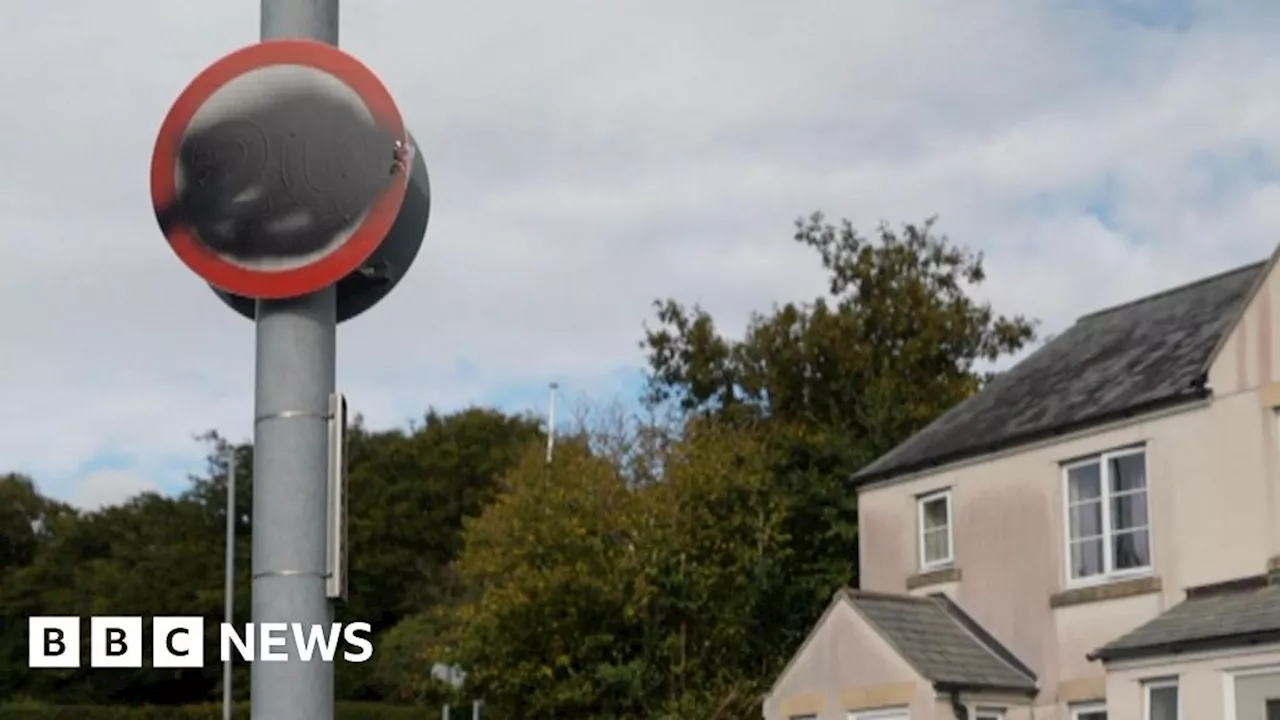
{"x": 551, "y": 423}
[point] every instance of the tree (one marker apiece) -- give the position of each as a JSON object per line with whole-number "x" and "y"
{"x": 25, "y": 520}
{"x": 554, "y": 582}
{"x": 28, "y": 522}
{"x": 598, "y": 597}
{"x": 155, "y": 555}
{"x": 410, "y": 493}
{"x": 896, "y": 340}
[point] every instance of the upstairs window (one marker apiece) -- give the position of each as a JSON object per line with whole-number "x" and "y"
{"x": 1108, "y": 530}
{"x": 934, "y": 523}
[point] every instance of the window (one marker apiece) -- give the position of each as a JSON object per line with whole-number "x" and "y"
{"x": 1107, "y": 527}
{"x": 1162, "y": 700}
{"x": 1089, "y": 711}
{"x": 989, "y": 714}
{"x": 935, "y": 530}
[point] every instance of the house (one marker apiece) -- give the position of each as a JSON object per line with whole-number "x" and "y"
{"x": 1095, "y": 534}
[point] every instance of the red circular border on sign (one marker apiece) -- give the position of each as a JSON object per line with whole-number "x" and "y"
{"x": 338, "y": 263}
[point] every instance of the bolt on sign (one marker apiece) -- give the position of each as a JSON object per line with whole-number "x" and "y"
{"x": 282, "y": 169}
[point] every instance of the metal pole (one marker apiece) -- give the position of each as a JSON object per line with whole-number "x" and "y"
{"x": 444, "y": 714}
{"x": 231, "y": 570}
{"x": 551, "y": 423}
{"x": 294, "y": 377}
{"x": 475, "y": 709}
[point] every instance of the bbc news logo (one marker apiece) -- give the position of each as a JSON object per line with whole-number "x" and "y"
{"x": 178, "y": 642}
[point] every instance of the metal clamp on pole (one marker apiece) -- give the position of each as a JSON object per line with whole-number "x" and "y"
{"x": 291, "y": 414}
{"x": 336, "y": 584}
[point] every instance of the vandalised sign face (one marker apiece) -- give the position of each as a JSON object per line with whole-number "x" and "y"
{"x": 280, "y": 169}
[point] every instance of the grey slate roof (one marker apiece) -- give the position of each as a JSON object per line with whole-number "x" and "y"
{"x": 1232, "y": 619}
{"x": 1133, "y": 358}
{"x": 941, "y": 642}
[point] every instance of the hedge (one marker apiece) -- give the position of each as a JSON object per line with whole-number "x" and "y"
{"x": 213, "y": 711}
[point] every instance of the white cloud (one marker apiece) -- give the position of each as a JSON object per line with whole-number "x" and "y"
{"x": 109, "y": 487}
{"x": 588, "y": 157}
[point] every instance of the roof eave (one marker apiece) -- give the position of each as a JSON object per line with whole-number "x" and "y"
{"x": 1218, "y": 642}
{"x": 1196, "y": 393}
{"x": 944, "y": 686}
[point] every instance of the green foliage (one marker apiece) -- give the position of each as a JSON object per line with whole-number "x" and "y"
{"x": 896, "y": 341}
{"x": 410, "y": 491}
{"x": 25, "y": 520}
{"x": 343, "y": 711}
{"x": 404, "y": 658}
{"x": 599, "y": 598}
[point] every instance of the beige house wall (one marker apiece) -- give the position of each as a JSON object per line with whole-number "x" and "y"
{"x": 1248, "y": 363}
{"x": 1203, "y": 681}
{"x": 846, "y": 665}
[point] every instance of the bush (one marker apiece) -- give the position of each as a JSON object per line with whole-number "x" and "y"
{"x": 212, "y": 711}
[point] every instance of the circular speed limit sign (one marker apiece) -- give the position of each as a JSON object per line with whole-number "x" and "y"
{"x": 280, "y": 169}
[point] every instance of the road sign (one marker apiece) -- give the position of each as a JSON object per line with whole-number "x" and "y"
{"x": 280, "y": 169}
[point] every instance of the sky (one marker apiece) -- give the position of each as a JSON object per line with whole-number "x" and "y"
{"x": 587, "y": 158}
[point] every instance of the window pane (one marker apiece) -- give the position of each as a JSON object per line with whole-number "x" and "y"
{"x": 1086, "y": 520}
{"x": 1092, "y": 715}
{"x": 1084, "y": 482}
{"x": 1129, "y": 511}
{"x": 1163, "y": 703}
{"x": 1086, "y": 558}
{"x": 935, "y": 513}
{"x": 1128, "y": 472}
{"x": 935, "y": 545}
{"x": 1132, "y": 550}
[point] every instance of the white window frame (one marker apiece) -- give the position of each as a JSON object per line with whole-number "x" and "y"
{"x": 896, "y": 713}
{"x": 921, "y": 501}
{"x": 1229, "y": 685}
{"x": 1077, "y": 711}
{"x": 1109, "y": 573}
{"x": 1160, "y": 684}
{"x": 988, "y": 713}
